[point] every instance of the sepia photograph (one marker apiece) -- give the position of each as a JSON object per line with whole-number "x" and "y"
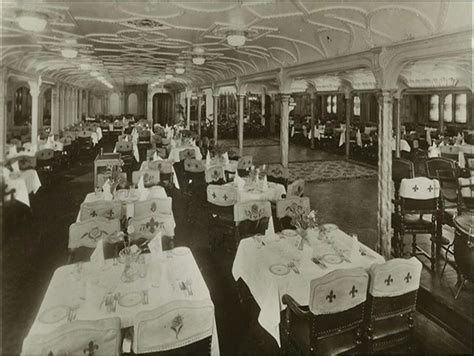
{"x": 236, "y": 177}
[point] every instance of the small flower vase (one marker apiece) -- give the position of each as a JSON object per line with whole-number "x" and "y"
{"x": 302, "y": 233}
{"x": 130, "y": 271}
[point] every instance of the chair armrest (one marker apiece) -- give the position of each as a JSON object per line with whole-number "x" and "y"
{"x": 294, "y": 306}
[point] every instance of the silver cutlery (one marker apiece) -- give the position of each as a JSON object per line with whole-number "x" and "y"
{"x": 319, "y": 263}
{"x": 293, "y": 267}
{"x": 145, "y": 297}
{"x": 363, "y": 252}
{"x": 188, "y": 286}
{"x": 115, "y": 300}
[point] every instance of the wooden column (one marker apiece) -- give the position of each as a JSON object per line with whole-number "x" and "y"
{"x": 34, "y": 92}
{"x": 199, "y": 114}
{"x": 385, "y": 101}
{"x": 312, "y": 98}
{"x": 55, "y": 110}
{"x": 215, "y": 106}
{"x": 284, "y": 127}
{"x": 349, "y": 112}
{"x": 272, "y": 114}
{"x": 188, "y": 111}
{"x": 241, "y": 124}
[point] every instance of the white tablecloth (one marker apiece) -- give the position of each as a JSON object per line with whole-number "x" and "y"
{"x": 174, "y": 153}
{"x": 127, "y": 204}
{"x": 144, "y": 166}
{"x": 86, "y": 290}
{"x": 253, "y": 260}
{"x": 273, "y": 193}
{"x": 26, "y": 183}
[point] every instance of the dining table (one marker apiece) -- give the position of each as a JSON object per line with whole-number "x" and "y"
{"x": 272, "y": 266}
{"x": 80, "y": 291}
{"x": 256, "y": 190}
{"x": 24, "y": 182}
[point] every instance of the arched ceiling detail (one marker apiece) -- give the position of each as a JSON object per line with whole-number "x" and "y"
{"x": 137, "y": 42}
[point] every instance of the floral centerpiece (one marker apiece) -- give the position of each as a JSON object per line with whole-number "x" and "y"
{"x": 258, "y": 173}
{"x": 303, "y": 221}
{"x": 114, "y": 174}
{"x": 128, "y": 255}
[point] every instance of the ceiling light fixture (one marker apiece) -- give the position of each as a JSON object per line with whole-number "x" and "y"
{"x": 236, "y": 39}
{"x": 85, "y": 66}
{"x": 169, "y": 76}
{"x": 161, "y": 80}
{"x": 179, "y": 70}
{"x": 69, "y": 52}
{"x": 95, "y": 73}
{"x": 33, "y": 22}
{"x": 199, "y": 60}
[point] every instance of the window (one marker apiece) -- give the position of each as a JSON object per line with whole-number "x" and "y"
{"x": 448, "y": 108}
{"x": 356, "y": 105}
{"x": 331, "y": 104}
{"x": 460, "y": 110}
{"x": 434, "y": 108}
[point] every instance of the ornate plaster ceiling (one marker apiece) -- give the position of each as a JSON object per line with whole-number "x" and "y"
{"x": 136, "y": 42}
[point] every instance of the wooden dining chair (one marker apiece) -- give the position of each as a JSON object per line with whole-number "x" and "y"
{"x": 166, "y": 171}
{"x": 45, "y": 164}
{"x": 221, "y": 200}
{"x": 100, "y": 208}
{"x": 151, "y": 177}
{"x": 391, "y": 303}
{"x": 156, "y": 206}
{"x": 284, "y": 207}
{"x": 296, "y": 189}
{"x": 83, "y": 236}
{"x": 146, "y": 227}
{"x": 243, "y": 165}
{"x": 181, "y": 327}
{"x": 215, "y": 175}
{"x": 26, "y": 162}
{"x": 276, "y": 173}
{"x": 433, "y": 165}
{"x": 101, "y": 337}
{"x": 332, "y": 323}
{"x": 251, "y": 217}
{"x": 419, "y": 214}
{"x": 449, "y": 152}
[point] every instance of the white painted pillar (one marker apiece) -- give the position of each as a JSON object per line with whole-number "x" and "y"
{"x": 241, "y": 98}
{"x": 349, "y": 111}
{"x": 263, "y": 108}
{"x": 272, "y": 114}
{"x": 55, "y": 109}
{"x": 215, "y": 103}
{"x": 3, "y": 111}
{"x": 61, "y": 107}
{"x": 86, "y": 104}
{"x": 188, "y": 111}
{"x": 149, "y": 107}
{"x": 385, "y": 174}
{"x": 34, "y": 92}
{"x": 284, "y": 129}
{"x": 81, "y": 104}
{"x": 312, "y": 97}
{"x": 199, "y": 114}
{"x": 398, "y": 126}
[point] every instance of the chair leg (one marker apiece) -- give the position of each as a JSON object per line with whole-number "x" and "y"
{"x": 413, "y": 245}
{"x": 434, "y": 251}
{"x": 461, "y": 284}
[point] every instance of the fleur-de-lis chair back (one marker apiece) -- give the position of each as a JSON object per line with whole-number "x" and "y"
{"x": 26, "y": 162}
{"x": 83, "y": 236}
{"x": 194, "y": 174}
{"x": 183, "y": 327}
{"x": 251, "y": 217}
{"x": 433, "y": 165}
{"x": 165, "y": 168}
{"x": 102, "y": 178}
{"x": 157, "y": 206}
{"x": 419, "y": 213}
{"x": 391, "y": 303}
{"x": 187, "y": 153}
{"x": 215, "y": 175}
{"x": 150, "y": 177}
{"x": 221, "y": 200}
{"x": 333, "y": 321}
{"x": 296, "y": 189}
{"x": 146, "y": 227}
{"x": 92, "y": 338}
{"x": 278, "y": 174}
{"x": 101, "y": 208}
{"x": 244, "y": 164}
{"x": 466, "y": 193}
{"x": 283, "y": 210}
{"x": 124, "y": 147}
{"x": 450, "y": 152}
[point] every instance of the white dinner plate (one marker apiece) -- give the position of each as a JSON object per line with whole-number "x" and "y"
{"x": 181, "y": 251}
{"x": 54, "y": 314}
{"x": 332, "y": 259}
{"x": 289, "y": 233}
{"x": 130, "y": 299}
{"x": 279, "y": 269}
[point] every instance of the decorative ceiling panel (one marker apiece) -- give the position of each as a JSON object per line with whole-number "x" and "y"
{"x": 140, "y": 41}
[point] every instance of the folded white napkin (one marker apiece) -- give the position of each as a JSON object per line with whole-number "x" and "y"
{"x": 239, "y": 181}
{"x": 173, "y": 143}
{"x": 143, "y": 193}
{"x": 97, "y": 257}
{"x": 155, "y": 246}
{"x": 16, "y": 167}
{"x": 208, "y": 158}
{"x": 265, "y": 183}
{"x": 12, "y": 151}
{"x": 270, "y": 232}
{"x": 226, "y": 158}
{"x": 355, "y": 249}
{"x": 106, "y": 189}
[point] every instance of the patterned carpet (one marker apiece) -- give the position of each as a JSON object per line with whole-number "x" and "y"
{"x": 251, "y": 142}
{"x": 329, "y": 170}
